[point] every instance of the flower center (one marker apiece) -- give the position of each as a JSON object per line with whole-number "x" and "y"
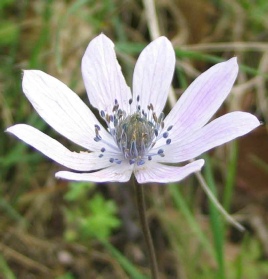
{"x": 134, "y": 136}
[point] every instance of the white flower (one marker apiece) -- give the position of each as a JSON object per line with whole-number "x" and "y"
{"x": 138, "y": 139}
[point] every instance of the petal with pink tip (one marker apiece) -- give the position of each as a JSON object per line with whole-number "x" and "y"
{"x": 115, "y": 173}
{"x": 83, "y": 161}
{"x": 153, "y": 74}
{"x": 155, "y": 172}
{"x": 202, "y": 99}
{"x": 102, "y": 76}
{"x": 217, "y": 132}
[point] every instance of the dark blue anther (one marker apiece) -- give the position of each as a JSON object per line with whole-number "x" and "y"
{"x": 140, "y": 162}
{"x": 169, "y": 128}
{"x": 165, "y": 135}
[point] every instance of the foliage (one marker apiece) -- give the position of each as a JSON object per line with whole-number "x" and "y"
{"x": 89, "y": 217}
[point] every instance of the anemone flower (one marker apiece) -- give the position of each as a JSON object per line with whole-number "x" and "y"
{"x": 133, "y": 134}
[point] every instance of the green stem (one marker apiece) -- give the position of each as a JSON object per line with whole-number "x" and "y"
{"x": 145, "y": 228}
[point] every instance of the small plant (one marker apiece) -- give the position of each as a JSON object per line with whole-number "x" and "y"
{"x": 86, "y": 218}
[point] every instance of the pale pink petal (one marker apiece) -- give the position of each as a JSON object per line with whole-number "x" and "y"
{"x": 156, "y": 172}
{"x": 202, "y": 99}
{"x": 115, "y": 173}
{"x": 82, "y": 161}
{"x": 102, "y": 76}
{"x": 62, "y": 109}
{"x": 153, "y": 74}
{"x": 217, "y": 132}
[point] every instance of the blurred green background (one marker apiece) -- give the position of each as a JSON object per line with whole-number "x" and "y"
{"x": 57, "y": 229}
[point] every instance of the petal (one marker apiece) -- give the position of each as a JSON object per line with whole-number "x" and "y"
{"x": 202, "y": 98}
{"x": 155, "y": 172}
{"x": 102, "y": 76}
{"x": 153, "y": 74}
{"x": 115, "y": 173}
{"x": 54, "y": 150}
{"x": 62, "y": 109}
{"x": 217, "y": 132}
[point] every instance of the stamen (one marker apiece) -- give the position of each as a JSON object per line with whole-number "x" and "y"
{"x": 101, "y": 155}
{"x": 115, "y": 108}
{"x": 120, "y": 113}
{"x": 97, "y": 138}
{"x": 154, "y": 117}
{"x": 168, "y": 141}
{"x": 107, "y": 117}
{"x": 140, "y": 162}
{"x": 102, "y": 113}
{"x": 103, "y": 149}
{"x": 133, "y": 149}
{"x": 161, "y": 117}
{"x": 165, "y": 135}
{"x": 115, "y": 122}
{"x": 169, "y": 128}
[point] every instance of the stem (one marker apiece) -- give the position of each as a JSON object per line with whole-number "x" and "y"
{"x": 145, "y": 228}
{"x": 216, "y": 203}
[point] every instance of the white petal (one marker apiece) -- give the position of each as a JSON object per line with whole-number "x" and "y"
{"x": 53, "y": 149}
{"x": 102, "y": 76}
{"x": 116, "y": 173}
{"x": 153, "y": 74}
{"x": 202, "y": 98}
{"x": 62, "y": 109}
{"x": 155, "y": 172}
{"x": 217, "y": 132}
